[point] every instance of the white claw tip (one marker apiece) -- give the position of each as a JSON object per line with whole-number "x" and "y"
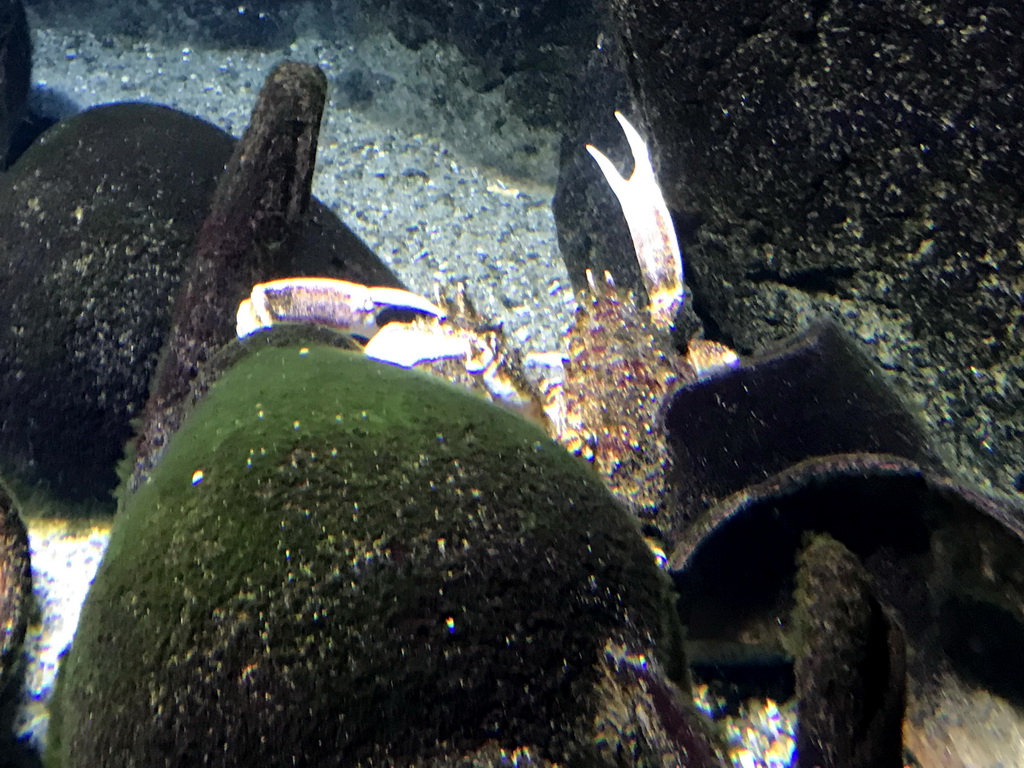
{"x": 650, "y": 225}
{"x": 246, "y": 321}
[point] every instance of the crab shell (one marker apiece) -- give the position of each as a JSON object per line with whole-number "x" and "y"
{"x": 601, "y": 397}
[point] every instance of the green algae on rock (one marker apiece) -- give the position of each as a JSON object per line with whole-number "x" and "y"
{"x": 340, "y": 562}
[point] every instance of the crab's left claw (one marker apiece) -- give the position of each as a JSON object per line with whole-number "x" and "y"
{"x": 650, "y": 225}
{"x": 408, "y": 346}
{"x": 349, "y": 307}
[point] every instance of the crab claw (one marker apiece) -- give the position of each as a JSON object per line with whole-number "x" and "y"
{"x": 349, "y": 307}
{"x": 650, "y": 225}
{"x": 407, "y": 346}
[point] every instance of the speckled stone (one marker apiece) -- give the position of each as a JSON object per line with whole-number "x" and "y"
{"x": 339, "y": 562}
{"x": 860, "y": 161}
{"x": 15, "y": 71}
{"x": 98, "y": 219}
{"x": 15, "y": 609}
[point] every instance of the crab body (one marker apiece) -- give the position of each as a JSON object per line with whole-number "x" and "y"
{"x": 603, "y": 394}
{"x": 619, "y": 370}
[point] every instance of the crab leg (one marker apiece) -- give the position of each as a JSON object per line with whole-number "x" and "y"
{"x": 338, "y": 304}
{"x": 650, "y": 225}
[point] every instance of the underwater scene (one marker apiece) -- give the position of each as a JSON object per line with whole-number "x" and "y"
{"x": 491, "y": 383}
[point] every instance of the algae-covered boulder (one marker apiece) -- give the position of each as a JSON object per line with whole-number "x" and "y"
{"x": 338, "y": 562}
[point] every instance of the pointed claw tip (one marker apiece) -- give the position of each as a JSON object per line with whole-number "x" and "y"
{"x": 638, "y": 147}
{"x": 246, "y": 321}
{"x": 401, "y": 298}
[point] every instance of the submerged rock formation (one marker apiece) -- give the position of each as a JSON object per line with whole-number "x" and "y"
{"x": 99, "y": 223}
{"x": 15, "y": 71}
{"x": 339, "y": 562}
{"x": 856, "y": 161}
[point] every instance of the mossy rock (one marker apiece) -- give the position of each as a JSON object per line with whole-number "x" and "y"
{"x": 372, "y": 566}
{"x": 97, "y": 224}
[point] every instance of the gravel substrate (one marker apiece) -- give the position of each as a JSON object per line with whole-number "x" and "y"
{"x": 418, "y": 172}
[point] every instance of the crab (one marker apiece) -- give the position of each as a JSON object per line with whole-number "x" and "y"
{"x": 601, "y": 397}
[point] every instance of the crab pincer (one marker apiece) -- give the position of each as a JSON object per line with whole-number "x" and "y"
{"x": 650, "y": 225}
{"x": 347, "y": 306}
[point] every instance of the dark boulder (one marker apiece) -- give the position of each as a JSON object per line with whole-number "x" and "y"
{"x": 857, "y": 161}
{"x": 340, "y": 562}
{"x": 850, "y": 664}
{"x": 806, "y": 441}
{"x": 15, "y": 72}
{"x": 99, "y": 220}
{"x": 16, "y": 609}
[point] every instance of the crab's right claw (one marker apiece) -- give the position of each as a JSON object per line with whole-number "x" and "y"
{"x": 340, "y": 304}
{"x": 650, "y": 225}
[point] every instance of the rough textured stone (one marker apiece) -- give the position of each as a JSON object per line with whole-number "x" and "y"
{"x": 860, "y": 161}
{"x": 850, "y": 664}
{"x": 818, "y": 396}
{"x": 536, "y": 47}
{"x": 15, "y": 71}
{"x": 590, "y": 236}
{"x": 255, "y": 218}
{"x": 946, "y": 559}
{"x": 98, "y": 220}
{"x": 338, "y": 561}
{"x": 16, "y": 607}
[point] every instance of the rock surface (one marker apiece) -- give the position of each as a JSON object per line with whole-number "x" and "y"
{"x": 15, "y": 71}
{"x": 256, "y": 217}
{"x": 99, "y": 220}
{"x": 338, "y": 562}
{"x": 16, "y": 607}
{"x": 857, "y": 161}
{"x": 850, "y": 666}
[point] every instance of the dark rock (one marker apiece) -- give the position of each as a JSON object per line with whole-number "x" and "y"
{"x": 340, "y": 562}
{"x": 850, "y": 666}
{"x": 99, "y": 219}
{"x": 809, "y": 441}
{"x": 944, "y": 558}
{"x": 254, "y": 221}
{"x": 590, "y": 235}
{"x": 490, "y": 755}
{"x": 856, "y": 162}
{"x": 644, "y": 715}
{"x": 15, "y": 72}
{"x": 27, "y": 131}
{"x": 16, "y": 606}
